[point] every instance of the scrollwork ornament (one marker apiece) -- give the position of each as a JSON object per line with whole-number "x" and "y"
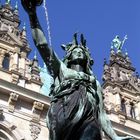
{"x": 35, "y": 130}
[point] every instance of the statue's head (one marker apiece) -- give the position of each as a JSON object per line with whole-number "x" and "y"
{"x": 78, "y": 53}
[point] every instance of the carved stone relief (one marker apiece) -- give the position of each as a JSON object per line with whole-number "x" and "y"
{"x": 35, "y": 129}
{"x": 128, "y": 107}
{"x": 12, "y": 101}
{"x": 37, "y": 110}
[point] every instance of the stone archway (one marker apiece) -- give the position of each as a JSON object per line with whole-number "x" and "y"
{"x": 5, "y": 136}
{"x": 9, "y": 131}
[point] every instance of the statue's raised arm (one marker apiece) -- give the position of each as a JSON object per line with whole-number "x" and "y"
{"x": 48, "y": 55}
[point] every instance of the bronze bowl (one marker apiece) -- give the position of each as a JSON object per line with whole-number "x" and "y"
{"x": 38, "y": 2}
{"x": 32, "y": 2}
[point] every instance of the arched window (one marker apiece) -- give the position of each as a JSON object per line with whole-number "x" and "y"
{"x": 6, "y": 60}
{"x": 4, "y": 135}
{"x": 6, "y": 132}
{"x": 123, "y": 107}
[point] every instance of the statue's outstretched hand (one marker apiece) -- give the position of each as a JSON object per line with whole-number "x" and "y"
{"x": 125, "y": 138}
{"x": 29, "y": 6}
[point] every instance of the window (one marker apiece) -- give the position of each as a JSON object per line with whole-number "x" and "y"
{"x": 5, "y": 63}
{"x": 4, "y": 135}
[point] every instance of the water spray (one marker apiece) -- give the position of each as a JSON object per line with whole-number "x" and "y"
{"x": 48, "y": 23}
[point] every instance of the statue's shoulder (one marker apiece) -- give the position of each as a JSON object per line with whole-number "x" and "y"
{"x": 65, "y": 72}
{"x": 98, "y": 84}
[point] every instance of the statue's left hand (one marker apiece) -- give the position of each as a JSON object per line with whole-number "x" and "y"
{"x": 29, "y": 6}
{"x": 125, "y": 138}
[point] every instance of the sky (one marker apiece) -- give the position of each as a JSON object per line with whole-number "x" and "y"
{"x": 99, "y": 20}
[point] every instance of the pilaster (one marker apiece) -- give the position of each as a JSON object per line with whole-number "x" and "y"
{"x": 35, "y": 127}
{"x": 36, "y": 111}
{"x": 2, "y": 53}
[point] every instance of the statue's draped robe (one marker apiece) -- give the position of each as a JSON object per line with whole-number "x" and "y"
{"x": 73, "y": 114}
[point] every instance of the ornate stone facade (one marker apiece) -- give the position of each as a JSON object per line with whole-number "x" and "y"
{"x": 22, "y": 107}
{"x": 121, "y": 90}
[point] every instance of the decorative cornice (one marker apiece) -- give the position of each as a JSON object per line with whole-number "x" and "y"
{"x": 24, "y": 93}
{"x": 121, "y": 86}
{"x": 122, "y": 65}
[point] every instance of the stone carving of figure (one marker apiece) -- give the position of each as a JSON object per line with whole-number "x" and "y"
{"x": 123, "y": 76}
{"x": 76, "y": 110}
{"x": 108, "y": 98}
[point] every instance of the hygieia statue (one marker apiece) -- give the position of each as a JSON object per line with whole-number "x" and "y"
{"x": 76, "y": 111}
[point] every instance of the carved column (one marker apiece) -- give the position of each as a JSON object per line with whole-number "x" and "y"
{"x": 137, "y": 115}
{"x": 22, "y": 64}
{"x": 12, "y": 101}
{"x": 15, "y": 61}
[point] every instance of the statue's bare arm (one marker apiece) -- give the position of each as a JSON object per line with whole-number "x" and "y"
{"x": 47, "y": 53}
{"x": 104, "y": 120}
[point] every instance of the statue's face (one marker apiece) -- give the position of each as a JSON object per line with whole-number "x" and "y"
{"x": 77, "y": 53}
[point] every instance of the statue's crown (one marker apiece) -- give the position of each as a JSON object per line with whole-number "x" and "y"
{"x": 74, "y": 44}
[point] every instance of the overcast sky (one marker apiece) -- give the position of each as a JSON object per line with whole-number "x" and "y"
{"x": 99, "y": 20}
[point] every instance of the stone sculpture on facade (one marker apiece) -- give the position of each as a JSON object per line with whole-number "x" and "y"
{"x": 117, "y": 43}
{"x": 76, "y": 110}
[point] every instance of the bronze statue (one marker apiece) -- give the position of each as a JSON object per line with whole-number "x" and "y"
{"x": 117, "y": 43}
{"x": 76, "y": 111}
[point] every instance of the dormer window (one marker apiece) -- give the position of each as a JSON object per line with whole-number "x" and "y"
{"x": 6, "y": 61}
